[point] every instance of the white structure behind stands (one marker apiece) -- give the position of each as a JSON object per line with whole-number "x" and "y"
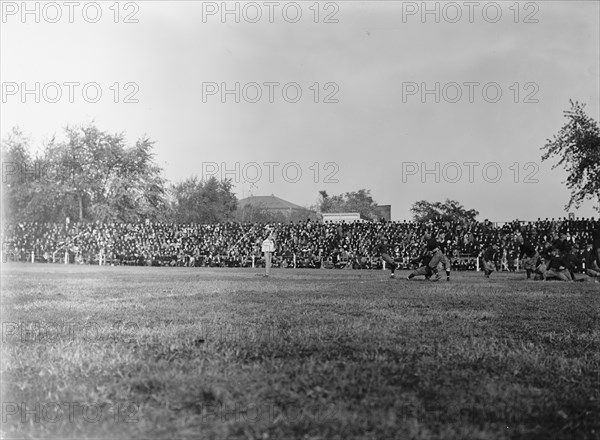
{"x": 347, "y": 217}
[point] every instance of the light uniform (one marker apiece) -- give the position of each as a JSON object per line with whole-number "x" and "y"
{"x": 268, "y": 247}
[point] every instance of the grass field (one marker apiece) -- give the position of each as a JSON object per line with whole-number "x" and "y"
{"x": 149, "y": 353}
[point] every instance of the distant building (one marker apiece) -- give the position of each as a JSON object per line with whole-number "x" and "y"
{"x": 274, "y": 205}
{"x": 347, "y": 217}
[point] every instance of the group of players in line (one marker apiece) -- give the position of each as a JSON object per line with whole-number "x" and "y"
{"x": 555, "y": 261}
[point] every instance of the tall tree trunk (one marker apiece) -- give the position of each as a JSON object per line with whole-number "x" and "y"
{"x": 80, "y": 207}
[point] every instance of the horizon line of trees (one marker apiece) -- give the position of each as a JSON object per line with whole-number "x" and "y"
{"x": 93, "y": 175}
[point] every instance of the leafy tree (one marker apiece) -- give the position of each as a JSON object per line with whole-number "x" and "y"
{"x": 108, "y": 180}
{"x": 329, "y": 203}
{"x": 578, "y": 146}
{"x": 29, "y": 192}
{"x": 16, "y": 158}
{"x": 198, "y": 201}
{"x": 92, "y": 175}
{"x": 356, "y": 201}
{"x": 450, "y": 210}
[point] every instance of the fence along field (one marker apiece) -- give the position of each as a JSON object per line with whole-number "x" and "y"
{"x": 145, "y": 352}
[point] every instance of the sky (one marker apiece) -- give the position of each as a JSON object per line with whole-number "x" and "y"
{"x": 410, "y": 100}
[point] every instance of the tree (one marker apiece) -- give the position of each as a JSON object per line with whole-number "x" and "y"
{"x": 357, "y": 201}
{"x": 108, "y": 180}
{"x": 578, "y": 146}
{"x": 198, "y": 201}
{"x": 29, "y": 192}
{"x": 450, "y": 211}
{"x": 16, "y": 191}
{"x": 92, "y": 175}
{"x": 329, "y": 203}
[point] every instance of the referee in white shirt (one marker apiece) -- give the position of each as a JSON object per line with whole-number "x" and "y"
{"x": 268, "y": 247}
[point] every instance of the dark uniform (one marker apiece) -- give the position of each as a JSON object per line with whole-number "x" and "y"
{"x": 438, "y": 257}
{"x": 383, "y": 249}
{"x": 489, "y": 257}
{"x": 424, "y": 269}
{"x": 596, "y": 244}
{"x": 530, "y": 263}
{"x": 565, "y": 249}
{"x": 557, "y": 268}
{"x": 432, "y": 244}
{"x": 592, "y": 266}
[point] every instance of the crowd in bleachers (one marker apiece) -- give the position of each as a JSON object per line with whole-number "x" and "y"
{"x": 305, "y": 244}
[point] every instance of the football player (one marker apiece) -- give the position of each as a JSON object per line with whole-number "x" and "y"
{"x": 424, "y": 269}
{"x": 527, "y": 250}
{"x": 557, "y": 268}
{"x": 489, "y": 260}
{"x": 383, "y": 249}
{"x": 438, "y": 258}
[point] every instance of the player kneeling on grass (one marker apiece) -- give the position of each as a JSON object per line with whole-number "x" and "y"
{"x": 593, "y": 269}
{"x": 383, "y": 249}
{"x": 424, "y": 269}
{"x": 557, "y": 268}
{"x": 489, "y": 258}
{"x": 439, "y": 260}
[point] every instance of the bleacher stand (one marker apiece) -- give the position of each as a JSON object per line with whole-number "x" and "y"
{"x": 300, "y": 245}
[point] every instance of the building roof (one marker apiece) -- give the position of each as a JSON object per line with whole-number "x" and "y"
{"x": 268, "y": 202}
